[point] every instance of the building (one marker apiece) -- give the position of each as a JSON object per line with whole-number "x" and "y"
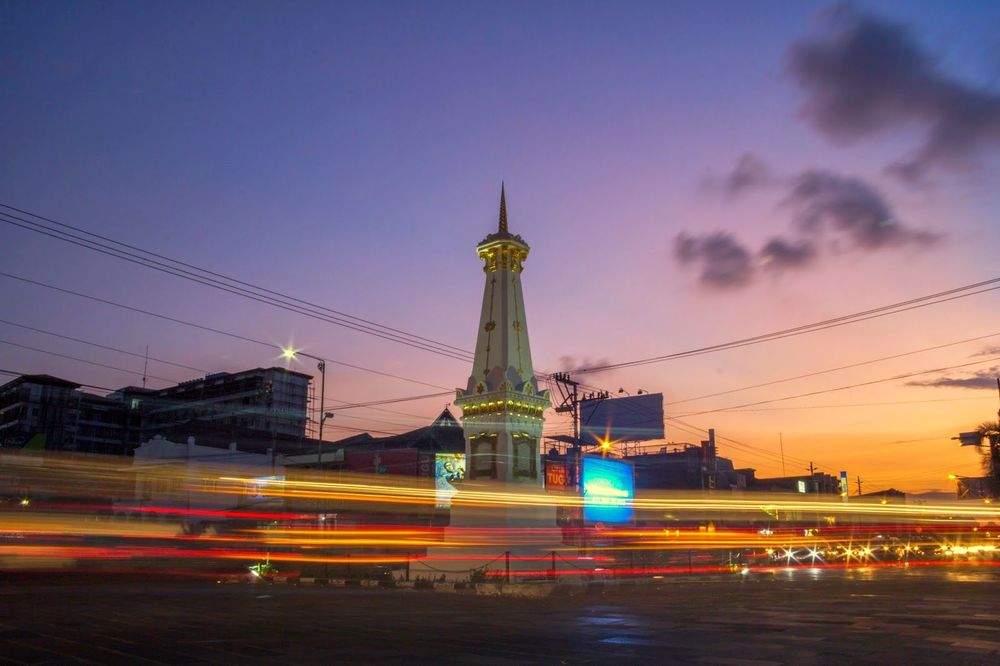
{"x": 42, "y": 412}
{"x": 410, "y": 453}
{"x": 688, "y": 467}
{"x": 261, "y": 408}
{"x": 815, "y": 483}
{"x": 887, "y": 496}
{"x": 502, "y": 407}
{"x": 180, "y": 475}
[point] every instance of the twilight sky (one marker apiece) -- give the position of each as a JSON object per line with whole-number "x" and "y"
{"x": 686, "y": 173}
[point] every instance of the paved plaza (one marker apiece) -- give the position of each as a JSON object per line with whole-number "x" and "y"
{"x": 928, "y": 615}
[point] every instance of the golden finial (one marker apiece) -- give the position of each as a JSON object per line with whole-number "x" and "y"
{"x": 503, "y": 210}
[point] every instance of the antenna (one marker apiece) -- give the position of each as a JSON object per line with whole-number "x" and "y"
{"x": 145, "y": 366}
{"x": 781, "y": 443}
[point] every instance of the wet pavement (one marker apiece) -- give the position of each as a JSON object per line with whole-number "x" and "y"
{"x": 919, "y": 615}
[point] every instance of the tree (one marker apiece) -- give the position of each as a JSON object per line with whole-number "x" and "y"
{"x": 990, "y": 430}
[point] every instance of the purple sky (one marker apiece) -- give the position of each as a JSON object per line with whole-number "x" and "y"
{"x": 352, "y": 155}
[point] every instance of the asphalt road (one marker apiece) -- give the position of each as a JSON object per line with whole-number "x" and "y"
{"x": 928, "y": 615}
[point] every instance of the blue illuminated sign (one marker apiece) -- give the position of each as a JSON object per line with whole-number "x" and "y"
{"x": 608, "y": 490}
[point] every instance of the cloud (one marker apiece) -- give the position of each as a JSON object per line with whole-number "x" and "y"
{"x": 824, "y": 205}
{"x": 984, "y": 379}
{"x": 749, "y": 173}
{"x": 988, "y": 351}
{"x": 852, "y": 207}
{"x": 867, "y": 76}
{"x": 723, "y": 261}
{"x": 779, "y": 254}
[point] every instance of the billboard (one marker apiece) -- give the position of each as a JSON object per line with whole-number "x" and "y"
{"x": 970, "y": 438}
{"x": 449, "y": 470}
{"x": 608, "y": 490}
{"x": 630, "y": 419}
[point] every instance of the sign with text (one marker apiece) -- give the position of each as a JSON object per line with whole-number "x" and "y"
{"x": 556, "y": 475}
{"x": 608, "y": 490}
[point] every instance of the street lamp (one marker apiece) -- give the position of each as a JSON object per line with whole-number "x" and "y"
{"x": 289, "y": 354}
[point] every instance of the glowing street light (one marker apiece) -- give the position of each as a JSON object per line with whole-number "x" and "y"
{"x": 290, "y": 354}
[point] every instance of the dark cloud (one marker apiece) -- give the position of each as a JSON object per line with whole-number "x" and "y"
{"x": 826, "y": 201}
{"x": 824, "y": 205}
{"x": 724, "y": 262}
{"x": 868, "y": 76}
{"x": 984, "y": 379}
{"x": 750, "y": 173}
{"x": 779, "y": 254}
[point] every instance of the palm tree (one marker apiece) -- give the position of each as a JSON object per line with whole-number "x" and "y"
{"x": 990, "y": 430}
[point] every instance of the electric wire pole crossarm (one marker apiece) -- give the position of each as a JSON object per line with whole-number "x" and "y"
{"x": 290, "y": 354}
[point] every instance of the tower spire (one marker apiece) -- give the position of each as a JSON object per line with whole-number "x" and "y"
{"x": 503, "y": 210}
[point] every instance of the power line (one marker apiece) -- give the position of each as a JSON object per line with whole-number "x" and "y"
{"x": 858, "y": 404}
{"x": 748, "y": 448}
{"x": 829, "y": 370}
{"x": 843, "y": 388}
{"x": 392, "y": 401}
{"x": 83, "y": 360}
{"x": 202, "y": 327}
{"x": 222, "y": 276}
{"x": 885, "y": 310}
{"x": 206, "y": 279}
{"x": 100, "y": 346}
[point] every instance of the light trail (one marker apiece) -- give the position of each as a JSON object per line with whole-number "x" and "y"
{"x": 211, "y": 517}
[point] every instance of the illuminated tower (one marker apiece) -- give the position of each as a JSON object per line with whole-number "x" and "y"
{"x": 502, "y": 408}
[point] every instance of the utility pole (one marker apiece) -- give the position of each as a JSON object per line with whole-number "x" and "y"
{"x": 812, "y": 475}
{"x": 859, "y": 484}
{"x": 570, "y": 403}
{"x": 781, "y": 443}
{"x": 291, "y": 354}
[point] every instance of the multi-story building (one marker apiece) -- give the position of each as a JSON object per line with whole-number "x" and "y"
{"x": 45, "y": 412}
{"x": 267, "y": 404}
{"x": 261, "y": 408}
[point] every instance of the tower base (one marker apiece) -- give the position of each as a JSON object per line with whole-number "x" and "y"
{"x": 518, "y": 539}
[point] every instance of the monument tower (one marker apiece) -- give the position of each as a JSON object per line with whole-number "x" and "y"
{"x": 502, "y": 408}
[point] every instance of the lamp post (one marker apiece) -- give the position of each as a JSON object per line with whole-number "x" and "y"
{"x": 289, "y": 354}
